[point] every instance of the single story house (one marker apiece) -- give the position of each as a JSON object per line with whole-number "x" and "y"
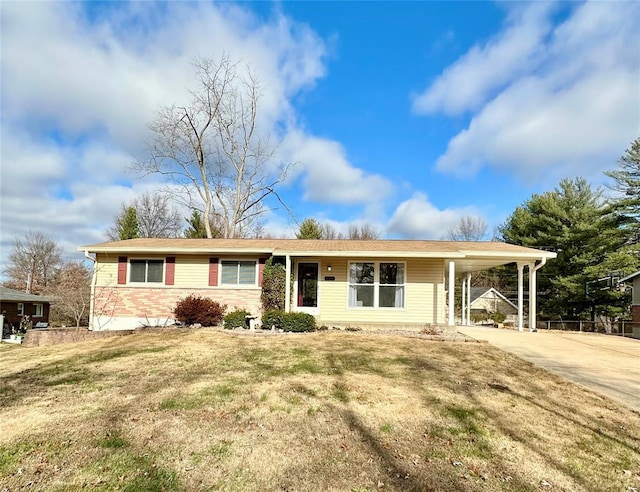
{"x": 490, "y": 300}
{"x": 14, "y": 305}
{"x": 366, "y": 283}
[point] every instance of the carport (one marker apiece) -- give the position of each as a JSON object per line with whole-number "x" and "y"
{"x": 475, "y": 257}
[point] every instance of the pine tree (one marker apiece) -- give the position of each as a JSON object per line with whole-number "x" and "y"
{"x": 196, "y": 228}
{"x": 627, "y": 184}
{"x": 126, "y": 226}
{"x": 574, "y": 221}
{"x": 309, "y": 229}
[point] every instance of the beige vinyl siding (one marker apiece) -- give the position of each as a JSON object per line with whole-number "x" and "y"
{"x": 106, "y": 270}
{"x": 192, "y": 271}
{"x": 424, "y": 294}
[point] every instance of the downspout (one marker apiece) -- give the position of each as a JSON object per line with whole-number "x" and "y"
{"x": 93, "y": 287}
{"x": 533, "y": 293}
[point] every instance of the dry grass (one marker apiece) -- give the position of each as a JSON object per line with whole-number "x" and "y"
{"x": 329, "y": 411}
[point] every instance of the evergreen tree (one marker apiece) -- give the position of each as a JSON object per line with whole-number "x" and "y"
{"x": 126, "y": 224}
{"x": 627, "y": 184}
{"x": 274, "y": 281}
{"x": 310, "y": 229}
{"x": 574, "y": 221}
{"x": 196, "y": 228}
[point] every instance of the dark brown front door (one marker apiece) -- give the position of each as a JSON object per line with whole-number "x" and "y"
{"x": 307, "y": 285}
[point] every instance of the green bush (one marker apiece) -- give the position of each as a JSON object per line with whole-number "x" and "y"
{"x": 203, "y": 310}
{"x": 298, "y": 322}
{"x": 274, "y": 280}
{"x": 236, "y": 319}
{"x": 272, "y": 317}
{"x": 498, "y": 317}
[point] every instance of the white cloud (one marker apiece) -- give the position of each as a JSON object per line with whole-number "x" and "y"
{"x": 81, "y": 82}
{"x": 569, "y": 110}
{"x": 467, "y": 83}
{"x": 418, "y": 218}
{"x": 329, "y": 177}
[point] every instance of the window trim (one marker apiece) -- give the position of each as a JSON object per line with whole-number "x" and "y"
{"x": 37, "y": 305}
{"x": 145, "y": 282}
{"x": 223, "y": 285}
{"x": 20, "y": 308}
{"x": 376, "y": 285}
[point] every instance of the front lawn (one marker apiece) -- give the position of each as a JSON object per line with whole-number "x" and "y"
{"x": 206, "y": 410}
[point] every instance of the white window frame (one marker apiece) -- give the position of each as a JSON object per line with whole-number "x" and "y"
{"x": 20, "y": 308}
{"x": 376, "y": 285}
{"x": 38, "y": 310}
{"x": 238, "y": 285}
{"x": 146, "y": 271}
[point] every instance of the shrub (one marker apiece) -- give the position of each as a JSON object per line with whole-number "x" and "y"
{"x": 498, "y": 317}
{"x": 236, "y": 319}
{"x": 272, "y": 317}
{"x": 203, "y": 310}
{"x": 273, "y": 286}
{"x": 298, "y": 322}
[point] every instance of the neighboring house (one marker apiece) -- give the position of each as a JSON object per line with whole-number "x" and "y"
{"x": 634, "y": 280}
{"x": 15, "y": 304}
{"x": 489, "y": 300}
{"x": 340, "y": 282}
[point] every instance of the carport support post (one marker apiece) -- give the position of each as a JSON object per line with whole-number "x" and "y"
{"x": 469, "y": 298}
{"x": 287, "y": 284}
{"x": 520, "y": 296}
{"x": 464, "y": 301}
{"x": 452, "y": 284}
{"x": 532, "y": 297}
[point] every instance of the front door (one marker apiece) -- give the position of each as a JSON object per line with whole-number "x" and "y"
{"x": 307, "y": 286}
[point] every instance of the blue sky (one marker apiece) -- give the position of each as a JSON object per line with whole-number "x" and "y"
{"x": 406, "y": 116}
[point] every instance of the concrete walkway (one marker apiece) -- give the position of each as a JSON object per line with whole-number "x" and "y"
{"x": 607, "y": 364}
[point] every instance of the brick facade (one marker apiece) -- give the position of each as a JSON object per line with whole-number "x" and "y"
{"x": 635, "y": 314}
{"x": 158, "y": 303}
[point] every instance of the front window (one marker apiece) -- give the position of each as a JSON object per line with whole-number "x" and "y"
{"x": 20, "y": 309}
{"x": 361, "y": 288}
{"x": 38, "y": 311}
{"x": 376, "y": 285}
{"x": 146, "y": 271}
{"x": 391, "y": 285}
{"x": 238, "y": 273}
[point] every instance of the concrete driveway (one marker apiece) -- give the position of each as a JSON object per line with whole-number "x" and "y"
{"x": 607, "y": 364}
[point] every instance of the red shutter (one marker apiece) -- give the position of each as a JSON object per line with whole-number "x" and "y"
{"x": 261, "y": 263}
{"x": 122, "y": 270}
{"x": 170, "y": 271}
{"x": 213, "y": 271}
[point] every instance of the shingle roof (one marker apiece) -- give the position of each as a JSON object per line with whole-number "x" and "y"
{"x": 389, "y": 247}
{"x": 7, "y": 294}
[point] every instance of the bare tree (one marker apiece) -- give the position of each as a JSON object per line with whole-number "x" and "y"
{"x": 33, "y": 262}
{"x": 71, "y": 294}
{"x": 213, "y": 150}
{"x": 330, "y": 232}
{"x": 468, "y": 228}
{"x": 150, "y": 215}
{"x": 156, "y": 216}
{"x": 363, "y": 232}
